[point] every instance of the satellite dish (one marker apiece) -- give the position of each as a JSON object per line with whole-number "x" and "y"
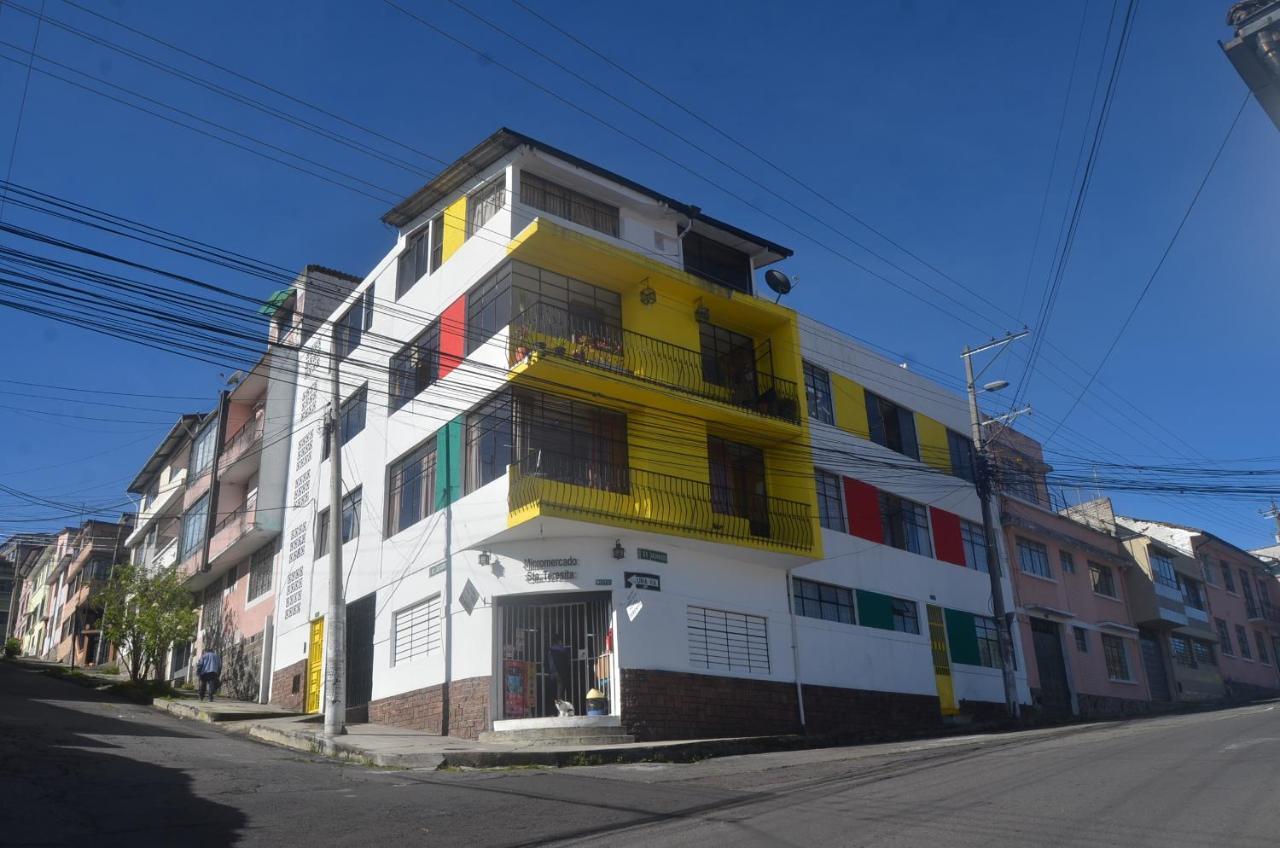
{"x": 779, "y": 282}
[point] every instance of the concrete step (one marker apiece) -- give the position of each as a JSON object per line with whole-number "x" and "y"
{"x": 576, "y": 737}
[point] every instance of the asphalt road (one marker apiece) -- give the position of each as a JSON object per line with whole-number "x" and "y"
{"x": 78, "y": 770}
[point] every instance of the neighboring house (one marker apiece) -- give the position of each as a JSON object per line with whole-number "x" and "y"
{"x": 580, "y": 453}
{"x": 18, "y": 556}
{"x": 1235, "y": 594}
{"x": 94, "y": 550}
{"x": 1071, "y": 583}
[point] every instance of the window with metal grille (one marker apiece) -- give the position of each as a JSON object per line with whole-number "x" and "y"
{"x": 417, "y": 631}
{"x": 1180, "y": 647}
{"x": 555, "y": 199}
{"x": 1067, "y": 561}
{"x": 830, "y": 503}
{"x": 984, "y": 628}
{"x": 1082, "y": 639}
{"x": 716, "y": 262}
{"x": 415, "y": 366}
{"x": 1033, "y": 558}
{"x": 1242, "y": 642}
{"x": 1162, "y": 570}
{"x": 1103, "y": 579}
{"x": 738, "y": 484}
{"x": 905, "y": 524}
{"x": 484, "y": 203}
{"x": 411, "y": 484}
{"x": 817, "y": 390}
{"x": 1224, "y": 638}
{"x": 728, "y": 361}
{"x": 892, "y": 426}
{"x": 1203, "y": 652}
{"x": 261, "y": 567}
{"x": 975, "y": 545}
{"x": 1113, "y": 650}
{"x": 570, "y": 441}
{"x": 822, "y": 600}
{"x": 733, "y": 641}
{"x": 1192, "y": 592}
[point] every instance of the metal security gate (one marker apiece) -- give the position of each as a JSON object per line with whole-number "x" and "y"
{"x": 552, "y": 646}
{"x": 1055, "y": 694}
{"x": 1153, "y": 663}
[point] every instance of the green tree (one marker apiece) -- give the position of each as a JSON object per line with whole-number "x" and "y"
{"x": 144, "y": 614}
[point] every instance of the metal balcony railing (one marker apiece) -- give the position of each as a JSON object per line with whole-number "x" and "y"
{"x": 602, "y": 491}
{"x": 549, "y": 329}
{"x": 241, "y": 442}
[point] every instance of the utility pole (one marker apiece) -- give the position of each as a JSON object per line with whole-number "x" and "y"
{"x": 335, "y": 686}
{"x": 1274, "y": 515}
{"x": 982, "y": 480}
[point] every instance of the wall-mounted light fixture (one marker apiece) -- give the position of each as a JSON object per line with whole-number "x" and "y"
{"x": 701, "y": 313}
{"x": 483, "y": 559}
{"x": 618, "y": 551}
{"x": 648, "y": 296}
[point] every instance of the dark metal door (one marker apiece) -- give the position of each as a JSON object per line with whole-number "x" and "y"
{"x": 1153, "y": 662}
{"x": 360, "y": 615}
{"x": 1055, "y": 693}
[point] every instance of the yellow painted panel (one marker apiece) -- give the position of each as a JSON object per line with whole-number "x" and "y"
{"x": 315, "y": 665}
{"x": 934, "y": 449}
{"x": 455, "y": 227}
{"x": 941, "y": 661}
{"x": 850, "y": 402}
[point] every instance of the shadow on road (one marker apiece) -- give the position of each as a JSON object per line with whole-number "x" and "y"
{"x": 63, "y": 783}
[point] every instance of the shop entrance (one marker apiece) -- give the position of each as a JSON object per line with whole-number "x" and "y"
{"x": 553, "y": 646}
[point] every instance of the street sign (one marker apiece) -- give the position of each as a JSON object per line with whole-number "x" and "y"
{"x": 469, "y": 597}
{"x": 640, "y": 580}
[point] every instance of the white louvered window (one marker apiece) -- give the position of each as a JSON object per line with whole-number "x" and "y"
{"x": 417, "y": 631}
{"x": 728, "y": 640}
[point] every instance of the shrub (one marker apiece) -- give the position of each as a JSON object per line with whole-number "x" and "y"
{"x": 12, "y": 647}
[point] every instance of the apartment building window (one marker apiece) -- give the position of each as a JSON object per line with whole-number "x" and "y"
{"x": 906, "y": 616}
{"x": 1068, "y": 563}
{"x": 1203, "y": 652}
{"x": 830, "y": 501}
{"x": 412, "y": 263}
{"x": 350, "y": 523}
{"x": 202, "y": 449}
{"x": 817, "y": 391}
{"x": 1103, "y": 579}
{"x": 558, "y": 307}
{"x": 1180, "y": 647}
{"x": 351, "y": 417}
{"x": 1033, "y": 558}
{"x": 732, "y": 641}
{"x": 885, "y": 612}
{"x": 1224, "y": 637}
{"x": 411, "y": 483}
{"x": 962, "y": 459}
{"x": 905, "y": 524}
{"x": 570, "y": 441}
{"x": 416, "y": 631}
{"x": 488, "y": 307}
{"x": 988, "y": 635}
{"x": 350, "y": 327}
{"x": 729, "y": 361}
{"x": 555, "y": 199}
{"x": 1262, "y": 645}
{"x": 1228, "y": 579}
{"x": 195, "y": 523}
{"x": 1082, "y": 639}
{"x": 484, "y": 203}
{"x": 1162, "y": 569}
{"x": 892, "y": 426}
{"x": 716, "y": 262}
{"x": 1192, "y": 594}
{"x": 738, "y": 482}
{"x": 1264, "y": 598}
{"x": 261, "y": 566}
{"x": 489, "y": 448}
{"x": 822, "y": 600}
{"x": 1113, "y": 651}
{"x": 415, "y": 366}
{"x": 1246, "y": 589}
{"x": 975, "y": 545}
{"x": 1206, "y": 570}
{"x": 1242, "y": 642}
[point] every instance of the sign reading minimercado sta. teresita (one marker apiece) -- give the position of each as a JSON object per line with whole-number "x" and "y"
{"x": 550, "y": 570}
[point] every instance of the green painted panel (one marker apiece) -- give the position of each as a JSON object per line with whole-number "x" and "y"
{"x": 449, "y": 463}
{"x": 963, "y": 638}
{"x": 875, "y": 610}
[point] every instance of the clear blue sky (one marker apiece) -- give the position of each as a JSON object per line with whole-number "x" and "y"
{"x": 932, "y": 121}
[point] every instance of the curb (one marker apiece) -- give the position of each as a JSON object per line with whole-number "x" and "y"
{"x": 209, "y": 713}
{"x": 313, "y": 744}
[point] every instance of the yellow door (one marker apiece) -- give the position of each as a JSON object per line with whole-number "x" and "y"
{"x": 941, "y": 660}
{"x": 315, "y": 665}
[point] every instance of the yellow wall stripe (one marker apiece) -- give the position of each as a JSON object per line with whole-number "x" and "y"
{"x": 934, "y": 448}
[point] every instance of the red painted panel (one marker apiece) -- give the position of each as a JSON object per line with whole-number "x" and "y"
{"x": 453, "y": 345}
{"x": 948, "y": 545}
{"x": 862, "y": 501}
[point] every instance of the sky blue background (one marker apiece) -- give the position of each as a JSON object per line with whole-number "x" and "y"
{"x": 932, "y": 121}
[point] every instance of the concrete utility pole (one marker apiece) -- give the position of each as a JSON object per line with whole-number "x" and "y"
{"x": 335, "y": 686}
{"x": 982, "y": 480}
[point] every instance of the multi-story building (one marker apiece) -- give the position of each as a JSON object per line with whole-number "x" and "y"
{"x": 1233, "y": 594}
{"x": 37, "y": 598}
{"x": 18, "y": 556}
{"x": 1071, "y": 583}
{"x": 579, "y": 453}
{"x": 86, "y": 564}
{"x": 213, "y": 494}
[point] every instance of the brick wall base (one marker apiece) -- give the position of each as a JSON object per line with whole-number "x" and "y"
{"x": 1102, "y": 706}
{"x": 422, "y": 709}
{"x": 658, "y": 705}
{"x": 289, "y": 686}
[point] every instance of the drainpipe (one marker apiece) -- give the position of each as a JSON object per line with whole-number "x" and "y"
{"x": 795, "y": 647}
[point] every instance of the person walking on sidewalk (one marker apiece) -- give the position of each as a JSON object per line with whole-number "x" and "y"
{"x": 209, "y": 669}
